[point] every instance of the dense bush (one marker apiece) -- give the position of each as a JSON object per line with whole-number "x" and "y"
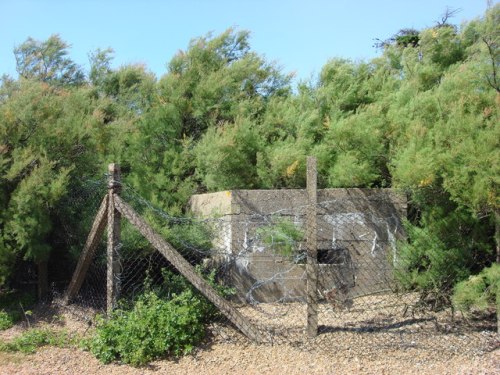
{"x": 479, "y": 292}
{"x": 165, "y": 320}
{"x": 445, "y": 248}
{"x": 421, "y": 117}
{"x": 153, "y": 328}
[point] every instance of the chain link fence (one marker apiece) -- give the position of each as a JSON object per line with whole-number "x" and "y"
{"x": 252, "y": 251}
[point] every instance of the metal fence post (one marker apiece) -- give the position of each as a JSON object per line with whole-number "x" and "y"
{"x": 113, "y": 256}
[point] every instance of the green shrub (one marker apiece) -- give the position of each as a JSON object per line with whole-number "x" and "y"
{"x": 480, "y": 292}
{"x": 440, "y": 252}
{"x": 165, "y": 320}
{"x": 153, "y": 328}
{"x": 427, "y": 265}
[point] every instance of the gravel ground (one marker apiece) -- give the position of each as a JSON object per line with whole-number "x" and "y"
{"x": 232, "y": 359}
{"x": 363, "y": 342}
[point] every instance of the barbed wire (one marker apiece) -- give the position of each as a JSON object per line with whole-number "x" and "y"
{"x": 255, "y": 243}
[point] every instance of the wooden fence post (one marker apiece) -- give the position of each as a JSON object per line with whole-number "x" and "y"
{"x": 113, "y": 256}
{"x": 93, "y": 239}
{"x": 497, "y": 240}
{"x": 189, "y": 272}
{"x": 312, "y": 252}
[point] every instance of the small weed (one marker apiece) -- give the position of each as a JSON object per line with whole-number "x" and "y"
{"x": 283, "y": 236}
{"x": 32, "y": 339}
{"x": 11, "y": 307}
{"x": 6, "y": 320}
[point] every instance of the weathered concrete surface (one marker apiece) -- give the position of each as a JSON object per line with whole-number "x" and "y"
{"x": 212, "y": 204}
{"x": 357, "y": 231}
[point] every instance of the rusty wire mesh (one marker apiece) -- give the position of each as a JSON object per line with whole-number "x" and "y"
{"x": 254, "y": 244}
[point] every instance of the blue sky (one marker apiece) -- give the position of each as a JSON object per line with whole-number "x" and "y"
{"x": 299, "y": 35}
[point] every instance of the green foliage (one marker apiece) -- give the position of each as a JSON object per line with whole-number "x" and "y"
{"x": 13, "y": 305}
{"x": 6, "y": 320}
{"x": 226, "y": 157}
{"x": 422, "y": 117}
{"x": 441, "y": 46}
{"x": 403, "y": 38}
{"x": 445, "y": 249}
{"x": 131, "y": 87}
{"x": 282, "y": 236}
{"x": 289, "y": 130}
{"x": 32, "y": 339}
{"x": 344, "y": 86}
{"x": 479, "y": 292}
{"x": 167, "y": 320}
{"x": 198, "y": 130}
{"x": 153, "y": 328}
{"x": 46, "y": 142}
{"x": 191, "y": 238}
{"x": 47, "y": 61}
{"x": 283, "y": 165}
{"x": 217, "y": 78}
{"x": 174, "y": 284}
{"x": 100, "y": 67}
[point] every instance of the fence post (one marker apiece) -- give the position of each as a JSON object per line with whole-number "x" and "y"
{"x": 189, "y": 272}
{"x": 312, "y": 252}
{"x": 497, "y": 240}
{"x": 113, "y": 256}
{"x": 93, "y": 239}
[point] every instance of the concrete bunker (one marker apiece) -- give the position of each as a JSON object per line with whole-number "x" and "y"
{"x": 357, "y": 230}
